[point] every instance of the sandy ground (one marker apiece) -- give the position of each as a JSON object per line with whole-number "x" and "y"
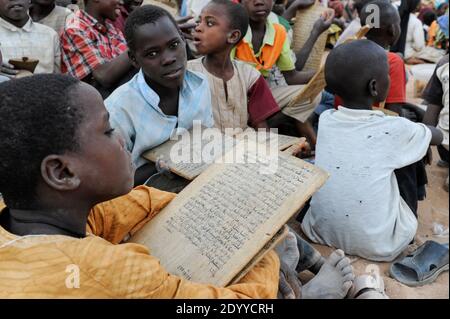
{"x": 434, "y": 209}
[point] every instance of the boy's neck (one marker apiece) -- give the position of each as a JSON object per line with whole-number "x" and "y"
{"x": 258, "y": 25}
{"x": 219, "y": 64}
{"x": 162, "y": 91}
{"x": 17, "y": 24}
{"x": 381, "y": 42}
{"x": 62, "y": 221}
{"x": 358, "y": 104}
{"x": 93, "y": 12}
{"x": 168, "y": 97}
{"x": 38, "y": 12}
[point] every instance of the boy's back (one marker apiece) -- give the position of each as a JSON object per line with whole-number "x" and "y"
{"x": 360, "y": 209}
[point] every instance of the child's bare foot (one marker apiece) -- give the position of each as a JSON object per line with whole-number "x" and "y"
{"x": 333, "y": 280}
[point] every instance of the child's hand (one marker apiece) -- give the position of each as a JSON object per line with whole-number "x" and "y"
{"x": 302, "y": 4}
{"x": 302, "y": 150}
{"x": 324, "y": 22}
{"x": 8, "y": 70}
{"x": 186, "y": 26}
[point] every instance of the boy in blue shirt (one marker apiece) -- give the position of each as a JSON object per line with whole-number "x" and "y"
{"x": 163, "y": 96}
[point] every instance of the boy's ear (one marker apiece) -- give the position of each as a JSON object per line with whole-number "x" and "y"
{"x": 373, "y": 88}
{"x": 132, "y": 58}
{"x": 57, "y": 172}
{"x": 391, "y": 31}
{"x": 234, "y": 36}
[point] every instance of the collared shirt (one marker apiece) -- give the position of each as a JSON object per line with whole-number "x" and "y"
{"x": 86, "y": 44}
{"x": 33, "y": 40}
{"x": 135, "y": 112}
{"x": 285, "y": 61}
{"x": 119, "y": 23}
{"x": 57, "y": 18}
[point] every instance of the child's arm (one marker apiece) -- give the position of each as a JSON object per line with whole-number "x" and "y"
{"x": 105, "y": 72}
{"x": 115, "y": 219}
{"x": 431, "y": 116}
{"x": 436, "y": 135}
{"x": 142, "y": 276}
{"x": 111, "y": 72}
{"x": 261, "y": 125}
{"x": 321, "y": 25}
{"x": 291, "y": 11}
{"x": 295, "y": 77}
{"x": 261, "y": 103}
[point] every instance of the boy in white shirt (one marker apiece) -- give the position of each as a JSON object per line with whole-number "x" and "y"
{"x": 360, "y": 209}
{"x": 21, "y": 37}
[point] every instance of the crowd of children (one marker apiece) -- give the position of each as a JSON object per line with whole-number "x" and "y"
{"x": 116, "y": 78}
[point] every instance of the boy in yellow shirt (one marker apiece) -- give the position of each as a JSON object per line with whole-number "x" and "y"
{"x": 66, "y": 181}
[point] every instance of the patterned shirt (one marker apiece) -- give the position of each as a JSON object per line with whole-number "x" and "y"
{"x": 33, "y": 40}
{"x": 86, "y": 44}
{"x": 135, "y": 112}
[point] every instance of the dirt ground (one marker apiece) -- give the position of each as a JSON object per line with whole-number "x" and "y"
{"x": 434, "y": 209}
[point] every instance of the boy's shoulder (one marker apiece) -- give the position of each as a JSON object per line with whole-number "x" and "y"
{"x": 195, "y": 79}
{"x": 247, "y": 72}
{"x": 355, "y": 121}
{"x": 126, "y": 92}
{"x": 78, "y": 22}
{"x": 273, "y": 18}
{"x": 41, "y": 28}
{"x": 62, "y": 11}
{"x": 395, "y": 60}
{"x": 195, "y": 65}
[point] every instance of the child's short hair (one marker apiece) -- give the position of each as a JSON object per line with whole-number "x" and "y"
{"x": 144, "y": 15}
{"x": 39, "y": 117}
{"x": 236, "y": 14}
{"x": 350, "y": 66}
{"x": 387, "y": 14}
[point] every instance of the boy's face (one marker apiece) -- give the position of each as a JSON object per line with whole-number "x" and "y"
{"x": 14, "y": 10}
{"x": 212, "y": 33}
{"x": 258, "y": 10}
{"x": 107, "y": 8}
{"x": 161, "y": 53}
{"x": 102, "y": 164}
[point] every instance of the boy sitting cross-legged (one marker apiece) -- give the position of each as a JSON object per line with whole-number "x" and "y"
{"x": 360, "y": 209}
{"x": 63, "y": 168}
